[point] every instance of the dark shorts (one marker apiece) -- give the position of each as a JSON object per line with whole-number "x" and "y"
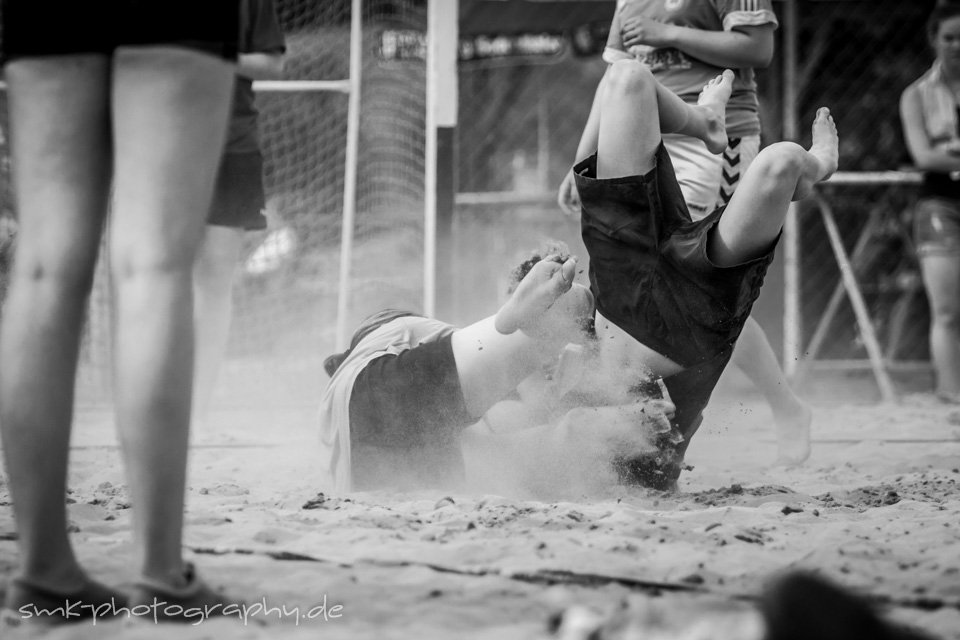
{"x": 690, "y": 391}
{"x": 406, "y": 415}
{"x": 238, "y": 198}
{"x": 649, "y": 270}
{"x": 34, "y": 28}
{"x": 936, "y": 227}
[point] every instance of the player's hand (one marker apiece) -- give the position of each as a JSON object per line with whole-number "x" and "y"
{"x": 567, "y": 197}
{"x": 636, "y": 31}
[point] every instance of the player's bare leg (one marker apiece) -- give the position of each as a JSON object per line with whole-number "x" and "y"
{"x": 824, "y": 153}
{"x": 632, "y": 100}
{"x": 781, "y": 173}
{"x": 712, "y": 103}
{"x": 545, "y": 311}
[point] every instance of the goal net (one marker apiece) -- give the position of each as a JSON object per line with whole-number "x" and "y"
{"x": 286, "y": 288}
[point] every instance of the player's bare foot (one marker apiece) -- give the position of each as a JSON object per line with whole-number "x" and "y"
{"x": 823, "y": 155}
{"x": 713, "y": 100}
{"x": 793, "y": 435}
{"x": 536, "y": 293}
{"x": 826, "y": 144}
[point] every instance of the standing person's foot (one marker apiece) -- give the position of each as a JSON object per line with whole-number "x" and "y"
{"x": 192, "y": 601}
{"x": 793, "y": 434}
{"x": 713, "y": 99}
{"x": 536, "y": 293}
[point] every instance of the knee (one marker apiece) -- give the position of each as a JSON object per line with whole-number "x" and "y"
{"x": 946, "y": 315}
{"x": 66, "y": 274}
{"x": 128, "y": 267}
{"x": 780, "y": 161}
{"x": 629, "y": 77}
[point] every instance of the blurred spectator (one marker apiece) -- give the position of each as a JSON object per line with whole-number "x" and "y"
{"x": 126, "y": 100}
{"x": 929, "y": 114}
{"x": 238, "y": 198}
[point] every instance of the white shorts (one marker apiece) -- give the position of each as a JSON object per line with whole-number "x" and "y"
{"x": 707, "y": 180}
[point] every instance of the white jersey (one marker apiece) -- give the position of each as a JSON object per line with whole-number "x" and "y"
{"x": 683, "y": 74}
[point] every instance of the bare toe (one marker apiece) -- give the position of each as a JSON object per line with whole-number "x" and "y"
{"x": 536, "y": 293}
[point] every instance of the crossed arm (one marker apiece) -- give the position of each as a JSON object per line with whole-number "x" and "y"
{"x": 746, "y": 46}
{"x": 944, "y": 157}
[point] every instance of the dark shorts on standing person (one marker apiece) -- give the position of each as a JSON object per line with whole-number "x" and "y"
{"x": 936, "y": 227}
{"x": 238, "y": 198}
{"x": 406, "y": 415}
{"x": 33, "y": 28}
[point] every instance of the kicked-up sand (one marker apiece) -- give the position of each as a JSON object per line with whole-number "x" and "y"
{"x": 876, "y": 509}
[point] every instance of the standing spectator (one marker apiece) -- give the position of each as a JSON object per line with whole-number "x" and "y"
{"x": 127, "y": 100}
{"x": 928, "y": 111}
{"x": 238, "y": 199}
{"x": 685, "y": 43}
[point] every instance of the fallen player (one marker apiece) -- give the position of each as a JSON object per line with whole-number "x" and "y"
{"x": 404, "y": 405}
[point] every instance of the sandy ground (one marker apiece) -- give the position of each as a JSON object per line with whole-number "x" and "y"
{"x": 876, "y": 508}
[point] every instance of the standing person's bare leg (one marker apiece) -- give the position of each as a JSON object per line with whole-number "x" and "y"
{"x": 791, "y": 416}
{"x": 168, "y": 104}
{"x": 941, "y": 278}
{"x": 59, "y": 135}
{"x": 213, "y": 277}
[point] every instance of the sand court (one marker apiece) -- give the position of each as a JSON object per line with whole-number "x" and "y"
{"x": 875, "y": 508}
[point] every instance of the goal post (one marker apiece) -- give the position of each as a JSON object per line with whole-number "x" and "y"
{"x": 350, "y": 174}
{"x": 439, "y": 161}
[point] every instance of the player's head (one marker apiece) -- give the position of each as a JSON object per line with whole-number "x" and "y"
{"x": 367, "y": 326}
{"x": 943, "y": 26}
